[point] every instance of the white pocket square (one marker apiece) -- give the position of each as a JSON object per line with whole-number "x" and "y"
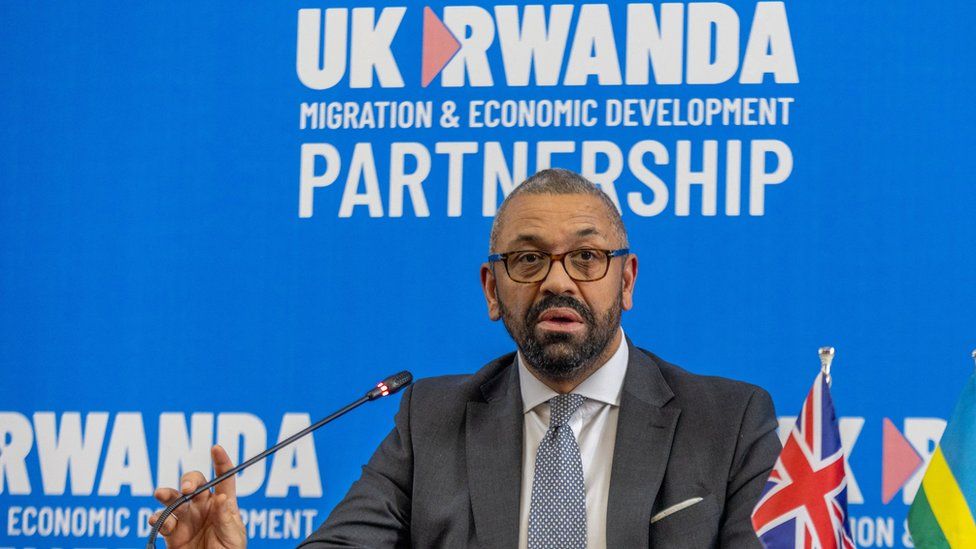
{"x": 674, "y": 509}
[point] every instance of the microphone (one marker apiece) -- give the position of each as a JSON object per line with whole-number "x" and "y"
{"x": 390, "y": 385}
{"x": 387, "y": 387}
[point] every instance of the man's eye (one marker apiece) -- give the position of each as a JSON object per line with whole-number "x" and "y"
{"x": 587, "y": 256}
{"x": 528, "y": 258}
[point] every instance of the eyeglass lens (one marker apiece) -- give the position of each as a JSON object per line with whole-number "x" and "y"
{"x": 581, "y": 265}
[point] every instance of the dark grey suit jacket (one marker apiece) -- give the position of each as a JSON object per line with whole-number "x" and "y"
{"x": 450, "y": 472}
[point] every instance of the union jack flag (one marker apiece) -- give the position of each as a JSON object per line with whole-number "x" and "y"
{"x": 804, "y": 504}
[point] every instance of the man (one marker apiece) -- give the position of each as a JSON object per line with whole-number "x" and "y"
{"x": 580, "y": 439}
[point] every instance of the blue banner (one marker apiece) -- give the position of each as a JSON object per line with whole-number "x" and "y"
{"x": 220, "y": 222}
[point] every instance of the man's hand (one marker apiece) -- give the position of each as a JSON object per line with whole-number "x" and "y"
{"x": 208, "y": 521}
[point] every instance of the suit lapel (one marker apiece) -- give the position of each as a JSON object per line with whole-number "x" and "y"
{"x": 494, "y": 459}
{"x": 640, "y": 456}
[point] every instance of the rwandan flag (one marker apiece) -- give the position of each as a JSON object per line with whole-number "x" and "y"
{"x": 942, "y": 513}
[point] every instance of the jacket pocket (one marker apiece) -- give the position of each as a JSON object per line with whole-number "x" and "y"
{"x": 686, "y": 524}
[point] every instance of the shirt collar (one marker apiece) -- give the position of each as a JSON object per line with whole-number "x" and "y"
{"x": 603, "y": 385}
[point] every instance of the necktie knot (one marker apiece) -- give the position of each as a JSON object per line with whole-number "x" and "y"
{"x": 562, "y": 407}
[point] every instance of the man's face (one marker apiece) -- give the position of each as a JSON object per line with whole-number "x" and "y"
{"x": 563, "y": 327}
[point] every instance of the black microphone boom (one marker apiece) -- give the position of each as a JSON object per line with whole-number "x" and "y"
{"x": 387, "y": 387}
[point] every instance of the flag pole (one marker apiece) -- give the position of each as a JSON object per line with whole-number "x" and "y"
{"x": 974, "y": 355}
{"x": 827, "y": 357}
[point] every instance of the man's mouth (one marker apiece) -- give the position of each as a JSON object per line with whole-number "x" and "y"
{"x": 560, "y": 319}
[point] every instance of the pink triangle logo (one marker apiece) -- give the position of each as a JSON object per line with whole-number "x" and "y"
{"x": 899, "y": 461}
{"x": 439, "y": 46}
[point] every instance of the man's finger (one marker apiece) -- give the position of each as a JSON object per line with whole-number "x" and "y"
{"x": 167, "y": 527}
{"x": 222, "y": 464}
{"x": 225, "y": 513}
{"x": 232, "y": 528}
{"x": 190, "y": 482}
{"x": 166, "y": 496}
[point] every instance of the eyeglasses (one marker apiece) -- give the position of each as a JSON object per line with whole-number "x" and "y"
{"x": 584, "y": 265}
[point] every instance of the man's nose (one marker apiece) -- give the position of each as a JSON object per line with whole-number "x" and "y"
{"x": 558, "y": 281}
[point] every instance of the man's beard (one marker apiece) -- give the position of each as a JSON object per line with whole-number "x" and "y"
{"x": 562, "y": 356}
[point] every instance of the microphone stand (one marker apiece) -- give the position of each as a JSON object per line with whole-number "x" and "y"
{"x": 384, "y": 388}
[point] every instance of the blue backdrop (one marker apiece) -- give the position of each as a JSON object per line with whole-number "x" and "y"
{"x": 169, "y": 269}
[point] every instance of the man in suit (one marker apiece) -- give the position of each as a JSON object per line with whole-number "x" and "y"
{"x": 580, "y": 439}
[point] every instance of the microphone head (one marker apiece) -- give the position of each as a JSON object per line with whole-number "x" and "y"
{"x": 390, "y": 385}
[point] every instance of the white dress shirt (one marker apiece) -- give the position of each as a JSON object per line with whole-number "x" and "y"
{"x": 595, "y": 426}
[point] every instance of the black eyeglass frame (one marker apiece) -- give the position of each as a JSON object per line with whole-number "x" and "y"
{"x": 503, "y": 257}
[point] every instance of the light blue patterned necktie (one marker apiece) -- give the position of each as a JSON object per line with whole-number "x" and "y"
{"x": 557, "y": 513}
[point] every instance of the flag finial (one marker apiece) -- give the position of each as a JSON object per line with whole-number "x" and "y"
{"x": 974, "y": 355}
{"x": 827, "y": 356}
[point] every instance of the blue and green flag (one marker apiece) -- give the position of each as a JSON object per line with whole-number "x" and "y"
{"x": 942, "y": 513}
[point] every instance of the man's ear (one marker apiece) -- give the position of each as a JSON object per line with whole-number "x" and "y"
{"x": 629, "y": 279}
{"x": 490, "y": 287}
